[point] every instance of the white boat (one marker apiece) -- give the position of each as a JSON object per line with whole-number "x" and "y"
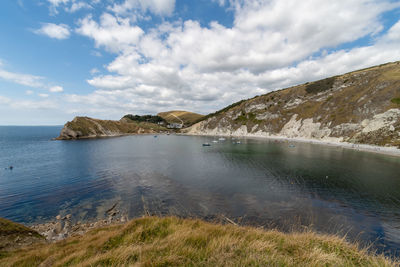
{"x": 221, "y": 139}
{"x": 215, "y": 141}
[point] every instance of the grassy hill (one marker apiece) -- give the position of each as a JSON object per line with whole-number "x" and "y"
{"x": 14, "y": 235}
{"x": 176, "y": 116}
{"x": 170, "y": 241}
{"x": 358, "y": 107}
{"x": 85, "y": 127}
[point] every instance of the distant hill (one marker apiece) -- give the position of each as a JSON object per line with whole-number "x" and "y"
{"x": 358, "y": 107}
{"x": 179, "y": 116}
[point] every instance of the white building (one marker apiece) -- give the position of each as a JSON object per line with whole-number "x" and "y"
{"x": 175, "y": 125}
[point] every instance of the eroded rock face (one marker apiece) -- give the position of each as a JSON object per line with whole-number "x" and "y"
{"x": 356, "y": 107}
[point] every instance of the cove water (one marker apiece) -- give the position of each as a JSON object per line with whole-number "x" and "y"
{"x": 258, "y": 182}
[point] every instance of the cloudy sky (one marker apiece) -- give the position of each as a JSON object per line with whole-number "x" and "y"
{"x": 106, "y": 58}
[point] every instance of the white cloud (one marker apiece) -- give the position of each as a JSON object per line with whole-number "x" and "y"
{"x": 114, "y": 33}
{"x": 60, "y": 31}
{"x": 158, "y": 7}
{"x": 272, "y": 44}
{"x": 43, "y": 95}
{"x": 54, "y": 5}
{"x": 56, "y": 89}
{"x": 75, "y": 6}
{"x": 23, "y": 79}
{"x": 94, "y": 71}
{"x": 4, "y": 100}
{"x": 220, "y": 2}
{"x": 27, "y": 80}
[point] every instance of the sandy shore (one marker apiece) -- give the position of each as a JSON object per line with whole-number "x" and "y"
{"x": 392, "y": 151}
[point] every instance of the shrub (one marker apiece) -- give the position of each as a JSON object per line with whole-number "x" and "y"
{"x": 320, "y": 86}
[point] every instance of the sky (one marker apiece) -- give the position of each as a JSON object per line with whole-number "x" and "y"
{"x": 107, "y": 58}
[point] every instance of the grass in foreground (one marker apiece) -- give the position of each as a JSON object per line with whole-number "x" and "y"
{"x": 170, "y": 241}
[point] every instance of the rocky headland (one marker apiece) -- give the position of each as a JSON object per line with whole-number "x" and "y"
{"x": 85, "y": 127}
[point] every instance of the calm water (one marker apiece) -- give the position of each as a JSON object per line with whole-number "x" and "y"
{"x": 258, "y": 182}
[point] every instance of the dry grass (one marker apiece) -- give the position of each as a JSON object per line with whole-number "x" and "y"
{"x": 14, "y": 235}
{"x": 188, "y": 118}
{"x": 170, "y": 241}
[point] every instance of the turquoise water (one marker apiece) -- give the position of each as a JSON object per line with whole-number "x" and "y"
{"x": 258, "y": 182}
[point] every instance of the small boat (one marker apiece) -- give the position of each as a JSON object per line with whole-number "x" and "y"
{"x": 221, "y": 139}
{"x": 215, "y": 141}
{"x": 206, "y": 144}
{"x": 291, "y": 145}
{"x": 238, "y": 142}
{"x": 155, "y": 136}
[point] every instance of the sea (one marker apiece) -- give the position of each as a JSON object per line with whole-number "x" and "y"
{"x": 260, "y": 182}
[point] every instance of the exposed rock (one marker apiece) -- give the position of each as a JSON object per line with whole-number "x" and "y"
{"x": 355, "y": 107}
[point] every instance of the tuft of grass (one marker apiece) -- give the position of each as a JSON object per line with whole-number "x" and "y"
{"x": 396, "y": 100}
{"x": 171, "y": 241}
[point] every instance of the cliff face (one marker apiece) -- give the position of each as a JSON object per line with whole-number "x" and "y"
{"x": 358, "y": 107}
{"x": 84, "y": 127}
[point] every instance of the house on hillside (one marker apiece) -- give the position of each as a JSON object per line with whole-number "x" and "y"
{"x": 175, "y": 125}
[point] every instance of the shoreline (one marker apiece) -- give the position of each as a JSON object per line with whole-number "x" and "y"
{"x": 103, "y": 136}
{"x": 389, "y": 151}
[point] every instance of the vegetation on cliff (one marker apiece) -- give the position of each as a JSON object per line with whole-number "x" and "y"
{"x": 85, "y": 127}
{"x": 145, "y": 118}
{"x": 170, "y": 241}
{"x": 358, "y": 107}
{"x": 14, "y": 235}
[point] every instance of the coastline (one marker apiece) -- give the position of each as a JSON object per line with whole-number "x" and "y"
{"x": 103, "y": 136}
{"x": 389, "y": 151}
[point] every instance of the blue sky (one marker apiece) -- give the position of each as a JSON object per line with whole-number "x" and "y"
{"x": 63, "y": 58}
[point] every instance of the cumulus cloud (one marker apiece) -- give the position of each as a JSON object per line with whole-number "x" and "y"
{"x": 272, "y": 44}
{"x": 113, "y": 33}
{"x": 56, "y": 31}
{"x": 56, "y": 89}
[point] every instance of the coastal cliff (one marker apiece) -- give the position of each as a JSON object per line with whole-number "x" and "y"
{"x": 359, "y": 107}
{"x": 85, "y": 127}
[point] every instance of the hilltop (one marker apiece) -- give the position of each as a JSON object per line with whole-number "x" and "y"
{"x": 179, "y": 116}
{"x": 361, "y": 107}
{"x": 170, "y": 241}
